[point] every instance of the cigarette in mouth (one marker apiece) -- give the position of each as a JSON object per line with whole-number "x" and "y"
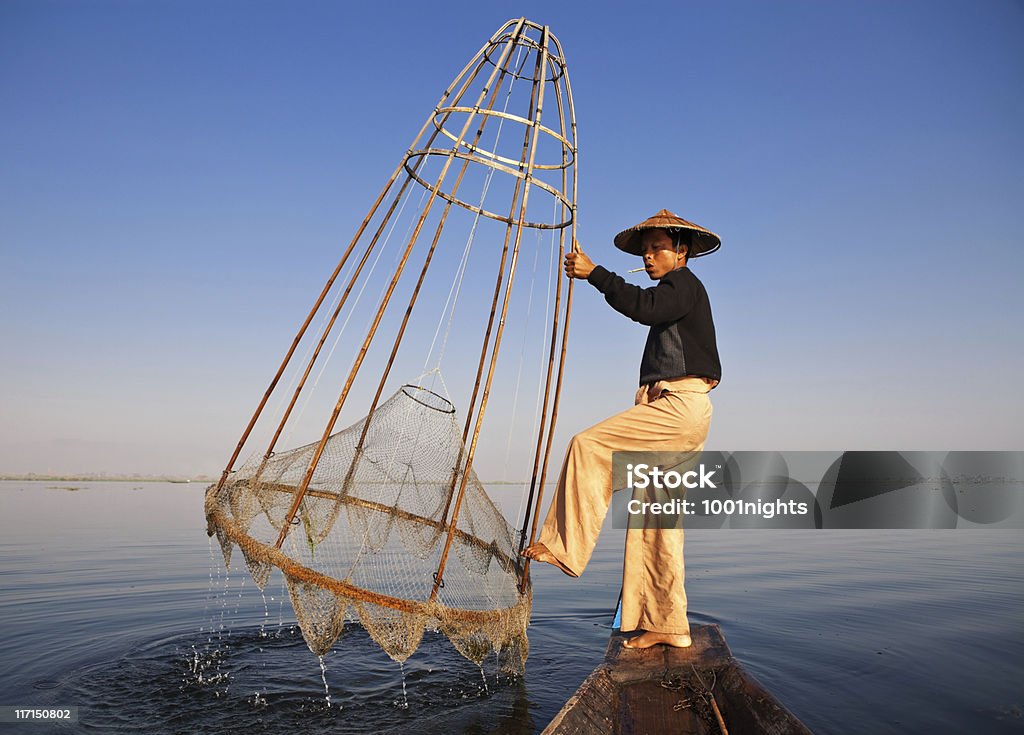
{"x": 636, "y": 270}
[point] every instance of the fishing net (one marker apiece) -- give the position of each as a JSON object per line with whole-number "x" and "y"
{"x": 386, "y": 522}
{"x": 370, "y": 532}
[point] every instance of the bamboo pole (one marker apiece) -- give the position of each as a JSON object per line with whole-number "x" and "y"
{"x": 565, "y": 338}
{"x": 439, "y": 576}
{"x": 419, "y": 284}
{"x": 544, "y": 426}
{"x": 384, "y": 222}
{"x": 383, "y": 306}
{"x": 493, "y": 311}
{"x": 337, "y": 270}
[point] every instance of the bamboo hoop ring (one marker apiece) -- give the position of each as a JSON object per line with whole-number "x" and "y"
{"x": 557, "y": 62}
{"x": 254, "y": 549}
{"x": 463, "y": 536}
{"x": 566, "y": 145}
{"x": 447, "y": 407}
{"x": 479, "y": 210}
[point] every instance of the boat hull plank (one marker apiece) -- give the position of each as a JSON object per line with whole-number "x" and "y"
{"x": 693, "y": 691}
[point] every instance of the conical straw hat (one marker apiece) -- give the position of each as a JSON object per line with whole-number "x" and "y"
{"x": 704, "y": 241}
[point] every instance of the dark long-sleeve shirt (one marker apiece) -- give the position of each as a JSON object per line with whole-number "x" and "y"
{"x": 682, "y": 337}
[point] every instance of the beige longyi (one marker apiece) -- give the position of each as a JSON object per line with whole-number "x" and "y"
{"x": 671, "y": 415}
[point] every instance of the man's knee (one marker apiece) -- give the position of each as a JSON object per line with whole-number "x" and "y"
{"x": 582, "y": 441}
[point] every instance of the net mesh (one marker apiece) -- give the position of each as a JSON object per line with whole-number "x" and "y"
{"x": 371, "y": 530}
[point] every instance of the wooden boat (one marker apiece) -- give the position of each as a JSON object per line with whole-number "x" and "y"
{"x": 700, "y": 690}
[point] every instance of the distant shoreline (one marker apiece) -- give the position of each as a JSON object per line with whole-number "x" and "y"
{"x": 107, "y": 478}
{"x": 30, "y": 477}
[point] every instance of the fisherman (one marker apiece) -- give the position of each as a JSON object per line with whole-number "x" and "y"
{"x": 672, "y": 412}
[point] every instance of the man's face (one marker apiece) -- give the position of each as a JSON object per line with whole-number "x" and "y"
{"x": 659, "y": 253}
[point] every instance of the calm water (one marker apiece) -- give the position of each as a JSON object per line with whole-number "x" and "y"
{"x": 114, "y": 601}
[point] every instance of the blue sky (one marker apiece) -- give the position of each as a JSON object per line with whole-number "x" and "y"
{"x": 179, "y": 178}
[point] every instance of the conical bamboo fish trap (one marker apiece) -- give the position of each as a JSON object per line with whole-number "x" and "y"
{"x": 386, "y": 520}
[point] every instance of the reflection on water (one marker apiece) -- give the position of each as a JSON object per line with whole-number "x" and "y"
{"x": 113, "y": 600}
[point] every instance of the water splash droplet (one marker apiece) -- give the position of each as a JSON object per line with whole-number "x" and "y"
{"x": 323, "y": 677}
{"x": 484, "y": 677}
{"x": 404, "y": 704}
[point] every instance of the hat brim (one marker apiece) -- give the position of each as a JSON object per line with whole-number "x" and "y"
{"x": 704, "y": 242}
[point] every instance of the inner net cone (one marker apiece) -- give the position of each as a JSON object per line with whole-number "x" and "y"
{"x": 370, "y": 532}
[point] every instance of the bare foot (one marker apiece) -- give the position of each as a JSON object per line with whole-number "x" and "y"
{"x": 651, "y": 638}
{"x": 540, "y": 552}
